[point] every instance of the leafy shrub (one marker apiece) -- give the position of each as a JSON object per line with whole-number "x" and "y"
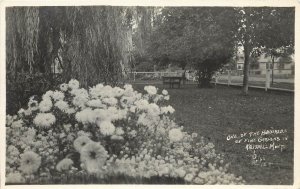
{"x": 22, "y": 86}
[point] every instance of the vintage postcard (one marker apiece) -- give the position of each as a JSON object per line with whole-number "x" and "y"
{"x": 147, "y": 94}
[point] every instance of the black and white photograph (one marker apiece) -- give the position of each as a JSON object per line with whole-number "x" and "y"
{"x": 149, "y": 94}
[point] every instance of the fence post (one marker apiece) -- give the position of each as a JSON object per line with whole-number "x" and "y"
{"x": 229, "y": 77}
{"x": 216, "y": 79}
{"x": 133, "y": 76}
{"x": 267, "y": 79}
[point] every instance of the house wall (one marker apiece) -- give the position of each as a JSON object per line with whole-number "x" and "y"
{"x": 279, "y": 68}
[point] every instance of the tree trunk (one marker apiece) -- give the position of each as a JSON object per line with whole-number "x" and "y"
{"x": 204, "y": 78}
{"x": 246, "y": 68}
{"x": 272, "y": 70}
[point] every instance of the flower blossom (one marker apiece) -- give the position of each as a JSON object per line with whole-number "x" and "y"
{"x": 151, "y": 90}
{"x": 45, "y": 105}
{"x": 64, "y": 165}
{"x": 175, "y": 135}
{"x": 73, "y": 84}
{"x": 30, "y": 162}
{"x": 106, "y": 128}
{"x": 44, "y": 119}
{"x": 93, "y": 156}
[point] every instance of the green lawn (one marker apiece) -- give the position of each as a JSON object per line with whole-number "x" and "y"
{"x": 214, "y": 113}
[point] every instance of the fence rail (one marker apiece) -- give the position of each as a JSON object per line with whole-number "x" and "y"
{"x": 283, "y": 80}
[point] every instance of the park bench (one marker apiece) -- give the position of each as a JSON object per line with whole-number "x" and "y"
{"x": 172, "y": 80}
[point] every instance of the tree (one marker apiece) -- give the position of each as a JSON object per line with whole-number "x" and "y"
{"x": 22, "y": 36}
{"x": 89, "y": 42}
{"x": 263, "y": 27}
{"x": 276, "y": 53}
{"x": 200, "y": 36}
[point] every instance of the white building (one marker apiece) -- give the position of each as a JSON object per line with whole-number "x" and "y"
{"x": 263, "y": 62}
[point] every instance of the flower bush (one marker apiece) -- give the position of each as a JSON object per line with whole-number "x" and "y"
{"x": 107, "y": 131}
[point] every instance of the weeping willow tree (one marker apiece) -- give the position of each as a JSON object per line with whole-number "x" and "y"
{"x": 22, "y": 35}
{"x": 88, "y": 42}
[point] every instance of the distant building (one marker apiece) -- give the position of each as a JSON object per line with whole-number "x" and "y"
{"x": 259, "y": 66}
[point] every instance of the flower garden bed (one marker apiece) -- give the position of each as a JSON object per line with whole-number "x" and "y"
{"x": 95, "y": 135}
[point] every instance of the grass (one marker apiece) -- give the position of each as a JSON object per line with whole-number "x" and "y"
{"x": 214, "y": 113}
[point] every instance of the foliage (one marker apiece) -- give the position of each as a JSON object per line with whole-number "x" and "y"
{"x": 22, "y": 35}
{"x": 22, "y": 86}
{"x": 88, "y": 42}
{"x": 199, "y": 36}
{"x": 264, "y": 27}
{"x": 106, "y": 132}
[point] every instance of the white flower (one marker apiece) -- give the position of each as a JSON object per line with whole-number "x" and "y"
{"x": 168, "y": 109}
{"x": 167, "y": 97}
{"x": 58, "y": 95}
{"x": 87, "y": 115}
{"x": 96, "y": 103}
{"x": 194, "y": 135}
{"x": 128, "y": 87}
{"x": 198, "y": 180}
{"x": 153, "y": 109}
{"x": 129, "y": 92}
{"x": 44, "y": 119}
{"x": 70, "y": 111}
{"x": 93, "y": 156}
{"x": 106, "y": 91}
{"x": 64, "y": 87}
{"x": 106, "y": 127}
{"x": 30, "y": 162}
{"x": 175, "y": 135}
{"x": 164, "y": 92}
{"x": 9, "y": 120}
{"x": 62, "y": 105}
{"x": 28, "y": 112}
{"x": 80, "y": 142}
{"x": 80, "y": 101}
{"x": 95, "y": 92}
{"x": 48, "y": 95}
{"x": 126, "y": 101}
{"x": 17, "y": 124}
{"x": 133, "y": 133}
{"x": 161, "y": 130}
{"x": 151, "y": 90}
{"x": 12, "y": 150}
{"x": 142, "y": 104}
{"x": 33, "y": 104}
{"x": 110, "y": 101}
{"x": 29, "y": 135}
{"x": 116, "y": 137}
{"x": 15, "y": 178}
{"x": 64, "y": 165}
{"x": 116, "y": 114}
{"x": 118, "y": 91}
{"x": 73, "y": 84}
{"x": 189, "y": 177}
{"x": 102, "y": 114}
{"x": 180, "y": 172}
{"x": 132, "y": 109}
{"x": 80, "y": 92}
{"x": 21, "y": 112}
{"x": 67, "y": 127}
{"x": 45, "y": 105}
{"x": 158, "y": 98}
{"x": 119, "y": 131}
{"x": 163, "y": 170}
